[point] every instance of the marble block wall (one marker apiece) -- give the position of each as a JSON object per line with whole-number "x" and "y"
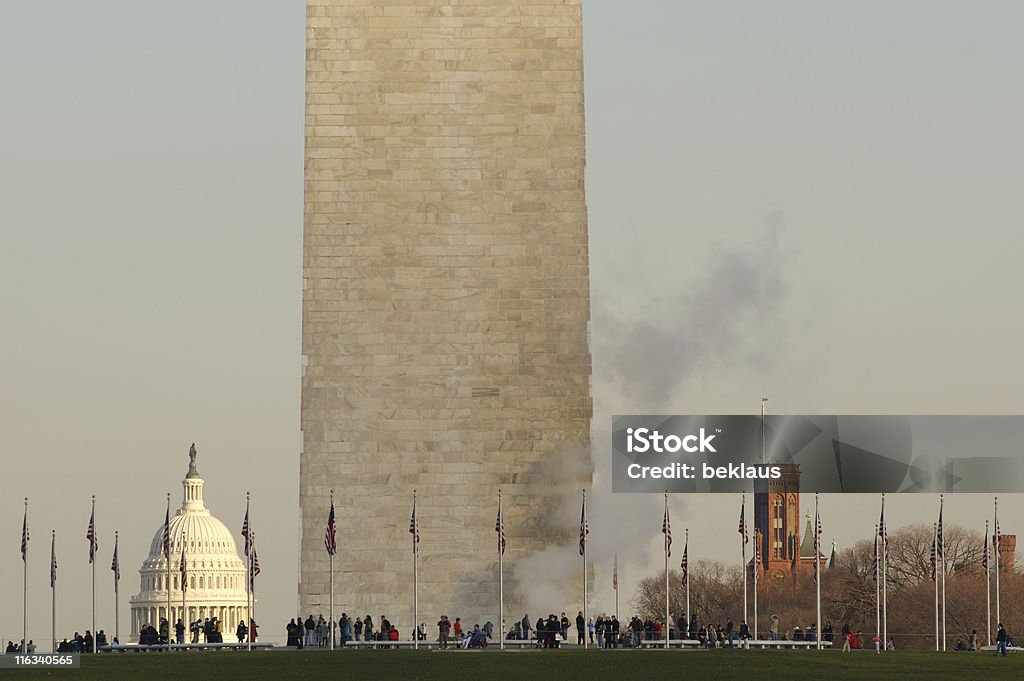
{"x": 446, "y": 306}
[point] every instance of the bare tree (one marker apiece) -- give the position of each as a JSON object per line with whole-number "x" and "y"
{"x": 715, "y": 588}
{"x": 908, "y": 558}
{"x": 848, "y": 591}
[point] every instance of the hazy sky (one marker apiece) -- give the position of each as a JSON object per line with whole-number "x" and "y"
{"x": 817, "y": 202}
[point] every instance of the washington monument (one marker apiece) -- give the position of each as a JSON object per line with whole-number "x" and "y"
{"x": 446, "y": 300}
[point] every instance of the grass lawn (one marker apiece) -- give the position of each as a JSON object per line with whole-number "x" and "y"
{"x": 536, "y": 665}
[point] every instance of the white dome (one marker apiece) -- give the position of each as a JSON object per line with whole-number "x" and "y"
{"x": 207, "y": 538}
{"x": 215, "y": 573}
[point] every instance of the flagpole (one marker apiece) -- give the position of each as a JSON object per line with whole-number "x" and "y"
{"x": 764, "y": 400}
{"x": 586, "y": 620}
{"x": 988, "y": 590}
{"x": 252, "y": 582}
{"x": 24, "y": 592}
{"x": 998, "y": 542}
{"x": 53, "y": 588}
{"x": 92, "y": 559}
{"x": 248, "y": 579}
{"x": 583, "y": 545}
{"x": 885, "y": 557}
{"x": 415, "y": 579}
{"x": 817, "y": 570}
{"x": 878, "y": 602}
{"x": 941, "y": 501}
{"x": 168, "y": 582}
{"x": 757, "y": 549}
{"x": 687, "y": 550}
{"x": 935, "y": 579}
{"x": 501, "y": 571}
{"x": 117, "y": 579}
{"x": 254, "y": 563}
{"x": 757, "y": 538}
{"x": 184, "y": 581}
{"x": 331, "y": 607}
{"x": 666, "y": 625}
{"x": 743, "y": 545}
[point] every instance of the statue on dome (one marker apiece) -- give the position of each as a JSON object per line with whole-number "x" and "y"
{"x": 192, "y": 461}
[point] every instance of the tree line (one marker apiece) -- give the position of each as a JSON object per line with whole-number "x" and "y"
{"x": 848, "y": 592}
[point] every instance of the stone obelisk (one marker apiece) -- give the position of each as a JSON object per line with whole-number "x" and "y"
{"x": 446, "y": 300}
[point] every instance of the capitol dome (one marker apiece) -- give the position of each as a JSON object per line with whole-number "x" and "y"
{"x": 215, "y": 572}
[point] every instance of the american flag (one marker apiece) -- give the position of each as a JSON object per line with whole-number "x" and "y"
{"x": 757, "y": 559}
{"x": 817, "y": 544}
{"x": 933, "y": 559}
{"x": 182, "y": 566}
{"x": 684, "y": 565}
{"x": 53, "y": 561}
{"x": 414, "y": 525}
{"x": 245, "y": 526}
{"x": 254, "y": 569}
{"x": 584, "y": 529}
{"x": 984, "y": 554}
{"x": 499, "y": 527}
{"x": 743, "y": 521}
{"x": 882, "y": 532}
{"x": 90, "y": 534}
{"x": 24, "y": 534}
{"x": 997, "y": 538}
{"x": 615, "y": 573}
{"x": 115, "y": 564}
{"x": 167, "y": 532}
{"x": 939, "y": 545}
{"x": 666, "y": 528}
{"x": 874, "y": 562}
{"x": 330, "y": 536}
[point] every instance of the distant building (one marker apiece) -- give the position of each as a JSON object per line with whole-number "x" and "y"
{"x": 1007, "y": 553}
{"x": 784, "y": 556}
{"x": 216, "y": 575}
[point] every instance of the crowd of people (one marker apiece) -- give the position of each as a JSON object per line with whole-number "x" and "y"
{"x": 604, "y": 631}
{"x": 79, "y": 643}
{"x": 449, "y": 633}
{"x": 316, "y": 633}
{"x": 207, "y": 630}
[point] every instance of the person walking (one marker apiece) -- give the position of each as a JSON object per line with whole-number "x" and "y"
{"x": 1001, "y": 640}
{"x": 581, "y": 628}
